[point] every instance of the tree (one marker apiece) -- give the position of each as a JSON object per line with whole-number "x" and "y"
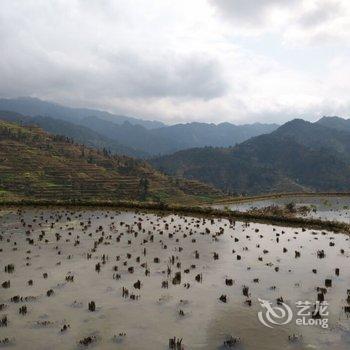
{"x": 143, "y": 188}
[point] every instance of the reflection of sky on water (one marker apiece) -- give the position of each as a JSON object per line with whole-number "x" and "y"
{"x": 327, "y": 208}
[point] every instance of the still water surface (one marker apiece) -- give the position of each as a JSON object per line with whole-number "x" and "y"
{"x": 129, "y": 239}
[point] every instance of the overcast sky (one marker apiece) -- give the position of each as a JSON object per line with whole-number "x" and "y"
{"x": 178, "y": 61}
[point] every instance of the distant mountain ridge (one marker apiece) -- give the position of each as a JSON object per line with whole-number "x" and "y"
{"x": 36, "y": 107}
{"x": 169, "y": 139}
{"x": 130, "y": 136}
{"x": 219, "y": 135}
{"x": 335, "y": 123}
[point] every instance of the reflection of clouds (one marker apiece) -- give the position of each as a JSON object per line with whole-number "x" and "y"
{"x": 241, "y": 321}
{"x": 155, "y": 316}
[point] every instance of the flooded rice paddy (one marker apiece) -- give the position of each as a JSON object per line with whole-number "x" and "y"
{"x": 104, "y": 279}
{"x": 324, "y": 208}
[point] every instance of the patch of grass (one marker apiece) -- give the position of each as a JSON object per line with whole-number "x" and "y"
{"x": 242, "y": 199}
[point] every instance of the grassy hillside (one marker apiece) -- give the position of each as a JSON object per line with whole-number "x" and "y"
{"x": 35, "y": 164}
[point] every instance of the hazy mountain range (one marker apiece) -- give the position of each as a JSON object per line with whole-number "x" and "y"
{"x": 126, "y": 135}
{"x": 34, "y": 107}
{"x": 251, "y": 159}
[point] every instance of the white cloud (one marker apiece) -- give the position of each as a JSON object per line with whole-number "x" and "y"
{"x": 252, "y": 14}
{"x": 183, "y": 60}
{"x": 320, "y": 22}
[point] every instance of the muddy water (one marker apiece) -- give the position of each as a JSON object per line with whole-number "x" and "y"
{"x": 324, "y": 208}
{"x": 205, "y": 322}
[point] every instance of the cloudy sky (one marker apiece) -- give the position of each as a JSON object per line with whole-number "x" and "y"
{"x": 178, "y": 61}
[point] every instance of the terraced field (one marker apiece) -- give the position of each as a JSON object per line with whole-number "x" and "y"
{"x": 35, "y": 164}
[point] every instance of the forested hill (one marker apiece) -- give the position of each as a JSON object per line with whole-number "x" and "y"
{"x": 299, "y": 156}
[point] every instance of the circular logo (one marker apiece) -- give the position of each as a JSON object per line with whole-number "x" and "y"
{"x": 274, "y": 315}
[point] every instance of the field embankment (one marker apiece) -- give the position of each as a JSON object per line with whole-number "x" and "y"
{"x": 164, "y": 208}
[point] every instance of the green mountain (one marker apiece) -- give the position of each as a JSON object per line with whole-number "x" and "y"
{"x": 299, "y": 156}
{"x": 317, "y": 136}
{"x": 35, "y": 164}
{"x": 335, "y": 123}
